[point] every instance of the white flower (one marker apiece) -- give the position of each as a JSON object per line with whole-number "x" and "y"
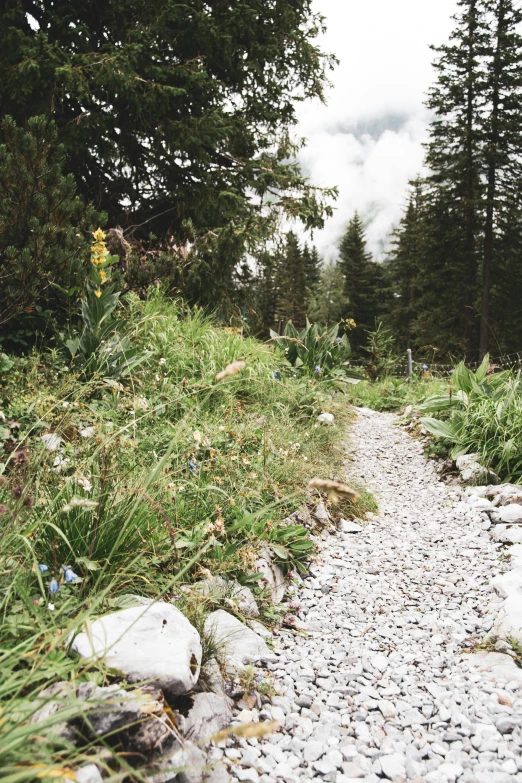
{"x": 60, "y": 462}
{"x": 142, "y": 403}
{"x": 85, "y": 483}
{"x": 78, "y": 503}
{"x": 162, "y": 361}
{"x": 50, "y": 607}
{"x": 87, "y": 432}
{"x": 51, "y": 441}
{"x": 66, "y": 404}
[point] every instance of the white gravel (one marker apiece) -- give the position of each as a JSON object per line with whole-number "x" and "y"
{"x": 378, "y": 686}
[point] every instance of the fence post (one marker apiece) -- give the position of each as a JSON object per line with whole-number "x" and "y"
{"x": 410, "y": 362}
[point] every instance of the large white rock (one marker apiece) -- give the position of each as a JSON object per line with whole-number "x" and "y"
{"x": 501, "y": 666}
{"x": 509, "y": 514}
{"x": 470, "y": 469}
{"x": 507, "y": 534}
{"x": 326, "y": 418}
{"x": 154, "y": 643}
{"x": 237, "y": 643}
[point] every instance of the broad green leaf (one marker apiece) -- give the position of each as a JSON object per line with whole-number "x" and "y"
{"x": 441, "y": 429}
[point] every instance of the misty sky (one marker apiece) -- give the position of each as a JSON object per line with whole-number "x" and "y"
{"x": 368, "y": 139}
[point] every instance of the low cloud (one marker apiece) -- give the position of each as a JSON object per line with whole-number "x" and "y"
{"x": 368, "y": 139}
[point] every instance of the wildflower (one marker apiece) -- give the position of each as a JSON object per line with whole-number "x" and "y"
{"x": 103, "y": 275}
{"x": 425, "y": 367}
{"x": 335, "y": 489}
{"x": 66, "y": 404}
{"x": 230, "y": 369}
{"x": 162, "y": 361}
{"x": 99, "y": 235}
{"x": 78, "y": 503}
{"x": 192, "y": 467}
{"x": 318, "y": 369}
{"x": 69, "y": 574}
{"x": 3, "y": 509}
{"x": 28, "y": 502}
{"x": 338, "y": 340}
{"x": 50, "y": 607}
{"x": 198, "y": 437}
{"x": 98, "y": 293}
{"x": 85, "y": 483}
{"x": 43, "y": 568}
{"x": 54, "y": 587}
{"x": 87, "y": 432}
{"x": 51, "y": 441}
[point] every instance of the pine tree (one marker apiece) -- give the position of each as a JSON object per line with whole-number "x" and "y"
{"x": 502, "y": 128}
{"x": 176, "y": 117}
{"x": 454, "y": 151}
{"x": 363, "y": 281}
{"x": 291, "y": 283}
{"x": 328, "y": 302}
{"x": 312, "y": 266}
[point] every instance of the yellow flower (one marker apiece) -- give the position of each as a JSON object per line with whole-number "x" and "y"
{"x": 98, "y": 293}
{"x": 99, "y": 235}
{"x": 103, "y": 275}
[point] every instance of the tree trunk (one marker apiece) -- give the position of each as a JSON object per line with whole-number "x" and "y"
{"x": 470, "y": 206}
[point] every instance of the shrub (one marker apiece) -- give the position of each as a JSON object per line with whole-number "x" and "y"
{"x": 43, "y": 228}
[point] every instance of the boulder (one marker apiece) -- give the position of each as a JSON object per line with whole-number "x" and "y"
{"x": 472, "y": 472}
{"x": 504, "y": 494}
{"x": 509, "y": 587}
{"x": 89, "y": 773}
{"x": 347, "y": 526}
{"x": 508, "y": 514}
{"x": 507, "y": 534}
{"x": 327, "y": 419}
{"x": 112, "y": 709}
{"x": 154, "y": 643}
{"x": 239, "y": 645}
{"x": 273, "y": 575}
{"x": 500, "y": 666}
{"x": 209, "y": 713}
{"x": 220, "y": 590}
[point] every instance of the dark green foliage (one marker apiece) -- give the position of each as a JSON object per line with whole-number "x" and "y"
{"x": 328, "y": 302}
{"x": 455, "y": 266}
{"x": 175, "y": 116}
{"x": 363, "y": 281}
{"x": 292, "y": 283}
{"x": 44, "y": 227}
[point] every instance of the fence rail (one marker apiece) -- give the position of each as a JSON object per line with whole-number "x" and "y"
{"x": 425, "y": 369}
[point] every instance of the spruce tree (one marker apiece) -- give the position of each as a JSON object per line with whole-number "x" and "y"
{"x": 362, "y": 281}
{"x": 328, "y": 302}
{"x": 502, "y": 129}
{"x": 454, "y": 151}
{"x": 291, "y": 283}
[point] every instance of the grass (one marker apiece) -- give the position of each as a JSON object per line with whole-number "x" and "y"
{"x": 392, "y": 394}
{"x": 156, "y": 481}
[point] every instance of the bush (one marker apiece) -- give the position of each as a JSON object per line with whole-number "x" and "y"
{"x": 44, "y": 230}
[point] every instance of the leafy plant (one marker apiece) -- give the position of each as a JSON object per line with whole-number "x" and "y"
{"x": 100, "y": 349}
{"x": 481, "y": 413}
{"x": 318, "y": 351}
{"x": 382, "y": 358}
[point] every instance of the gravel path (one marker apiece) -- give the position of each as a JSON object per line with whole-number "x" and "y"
{"x": 378, "y": 687}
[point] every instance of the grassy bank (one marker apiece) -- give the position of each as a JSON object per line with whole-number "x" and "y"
{"x": 138, "y": 486}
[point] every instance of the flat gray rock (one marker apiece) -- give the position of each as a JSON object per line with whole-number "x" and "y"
{"x": 237, "y": 643}
{"x": 154, "y": 643}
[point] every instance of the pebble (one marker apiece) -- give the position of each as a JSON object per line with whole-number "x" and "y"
{"x": 379, "y": 685}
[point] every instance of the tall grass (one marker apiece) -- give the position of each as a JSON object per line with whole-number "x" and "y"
{"x": 155, "y": 481}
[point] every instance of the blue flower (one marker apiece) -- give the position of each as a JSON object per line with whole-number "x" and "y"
{"x": 425, "y": 367}
{"x": 318, "y": 369}
{"x": 54, "y": 587}
{"x": 192, "y": 467}
{"x": 451, "y": 372}
{"x": 70, "y": 576}
{"x": 277, "y": 376}
{"x": 338, "y": 340}
{"x": 43, "y": 568}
